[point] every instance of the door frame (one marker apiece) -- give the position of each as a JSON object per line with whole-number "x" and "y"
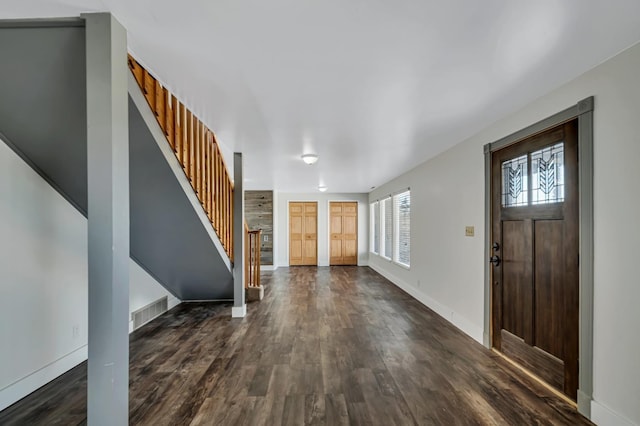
{"x": 583, "y": 111}
{"x": 329, "y": 228}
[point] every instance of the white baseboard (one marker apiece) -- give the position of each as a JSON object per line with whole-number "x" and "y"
{"x": 605, "y": 416}
{"x": 458, "y": 320}
{"x": 268, "y": 267}
{"x": 34, "y": 381}
{"x": 239, "y": 311}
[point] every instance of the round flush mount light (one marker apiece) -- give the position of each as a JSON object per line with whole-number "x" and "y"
{"x": 322, "y": 188}
{"x": 310, "y": 158}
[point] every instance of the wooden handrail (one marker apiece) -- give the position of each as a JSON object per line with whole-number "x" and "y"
{"x": 197, "y": 151}
{"x": 252, "y": 257}
{"x": 247, "y": 255}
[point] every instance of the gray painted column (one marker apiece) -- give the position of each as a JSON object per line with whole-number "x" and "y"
{"x": 108, "y": 219}
{"x": 239, "y": 309}
{"x": 486, "y": 335}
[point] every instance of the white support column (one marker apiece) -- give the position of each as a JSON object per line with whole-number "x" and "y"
{"x": 108, "y": 220}
{"x": 239, "y": 309}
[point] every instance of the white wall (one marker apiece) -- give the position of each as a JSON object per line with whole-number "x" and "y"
{"x": 447, "y": 193}
{"x": 281, "y": 219}
{"x": 43, "y": 281}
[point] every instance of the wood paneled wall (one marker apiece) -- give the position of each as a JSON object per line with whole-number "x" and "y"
{"x": 258, "y": 213}
{"x": 197, "y": 150}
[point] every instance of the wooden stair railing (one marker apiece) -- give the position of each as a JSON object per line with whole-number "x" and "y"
{"x": 252, "y": 257}
{"x": 197, "y": 151}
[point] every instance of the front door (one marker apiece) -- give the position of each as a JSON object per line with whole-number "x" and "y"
{"x": 343, "y": 224}
{"x": 303, "y": 233}
{"x": 535, "y": 255}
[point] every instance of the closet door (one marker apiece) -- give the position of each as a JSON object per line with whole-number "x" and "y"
{"x": 310, "y": 247}
{"x": 343, "y": 218}
{"x": 303, "y": 234}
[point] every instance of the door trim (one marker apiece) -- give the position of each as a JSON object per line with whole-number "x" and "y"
{"x": 583, "y": 111}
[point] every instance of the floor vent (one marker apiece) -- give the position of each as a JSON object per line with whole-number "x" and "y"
{"x": 149, "y": 312}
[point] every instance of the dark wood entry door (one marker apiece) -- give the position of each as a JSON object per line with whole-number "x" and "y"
{"x": 535, "y": 255}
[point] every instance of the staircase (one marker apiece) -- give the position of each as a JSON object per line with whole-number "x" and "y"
{"x": 180, "y": 190}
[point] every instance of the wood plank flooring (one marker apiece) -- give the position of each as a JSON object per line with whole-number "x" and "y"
{"x": 332, "y": 346}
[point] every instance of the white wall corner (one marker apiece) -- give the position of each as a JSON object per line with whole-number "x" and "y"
{"x": 458, "y": 320}
{"x": 34, "y": 381}
{"x": 605, "y": 416}
{"x": 172, "y": 302}
{"x": 239, "y": 311}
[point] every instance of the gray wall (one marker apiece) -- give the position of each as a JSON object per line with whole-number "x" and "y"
{"x": 43, "y": 118}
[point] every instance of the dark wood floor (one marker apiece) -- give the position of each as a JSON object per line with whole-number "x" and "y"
{"x": 331, "y": 346}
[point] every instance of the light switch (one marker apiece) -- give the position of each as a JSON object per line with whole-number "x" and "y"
{"x": 469, "y": 231}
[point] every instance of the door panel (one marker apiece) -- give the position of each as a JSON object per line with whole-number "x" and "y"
{"x": 534, "y": 210}
{"x": 303, "y": 242}
{"x": 296, "y": 252}
{"x": 351, "y": 252}
{"x": 310, "y": 254}
{"x": 343, "y": 224}
{"x": 295, "y": 233}
{"x": 336, "y": 224}
{"x": 549, "y": 276}
{"x": 335, "y": 249}
{"x": 516, "y": 271}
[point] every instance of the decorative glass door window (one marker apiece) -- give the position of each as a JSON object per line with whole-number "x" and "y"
{"x": 545, "y": 169}
{"x": 514, "y": 182}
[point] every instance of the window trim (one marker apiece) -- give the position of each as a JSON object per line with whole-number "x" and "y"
{"x": 395, "y": 226}
{"x": 396, "y": 243}
{"x": 383, "y": 227}
{"x": 372, "y": 228}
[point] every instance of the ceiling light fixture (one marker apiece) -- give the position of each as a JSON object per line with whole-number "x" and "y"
{"x": 322, "y": 188}
{"x": 310, "y": 158}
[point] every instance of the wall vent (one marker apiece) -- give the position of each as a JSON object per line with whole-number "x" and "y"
{"x": 149, "y": 312}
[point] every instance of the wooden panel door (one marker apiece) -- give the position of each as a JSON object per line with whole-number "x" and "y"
{"x": 310, "y": 252}
{"x": 343, "y": 223}
{"x": 535, "y": 255}
{"x": 296, "y": 233}
{"x": 303, "y": 233}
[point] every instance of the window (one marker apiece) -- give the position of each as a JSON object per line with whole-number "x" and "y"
{"x": 387, "y": 228}
{"x": 402, "y": 216}
{"x": 391, "y": 228}
{"x": 375, "y": 227}
{"x": 545, "y": 168}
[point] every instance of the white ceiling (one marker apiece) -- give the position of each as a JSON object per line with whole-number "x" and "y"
{"x": 374, "y": 87}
